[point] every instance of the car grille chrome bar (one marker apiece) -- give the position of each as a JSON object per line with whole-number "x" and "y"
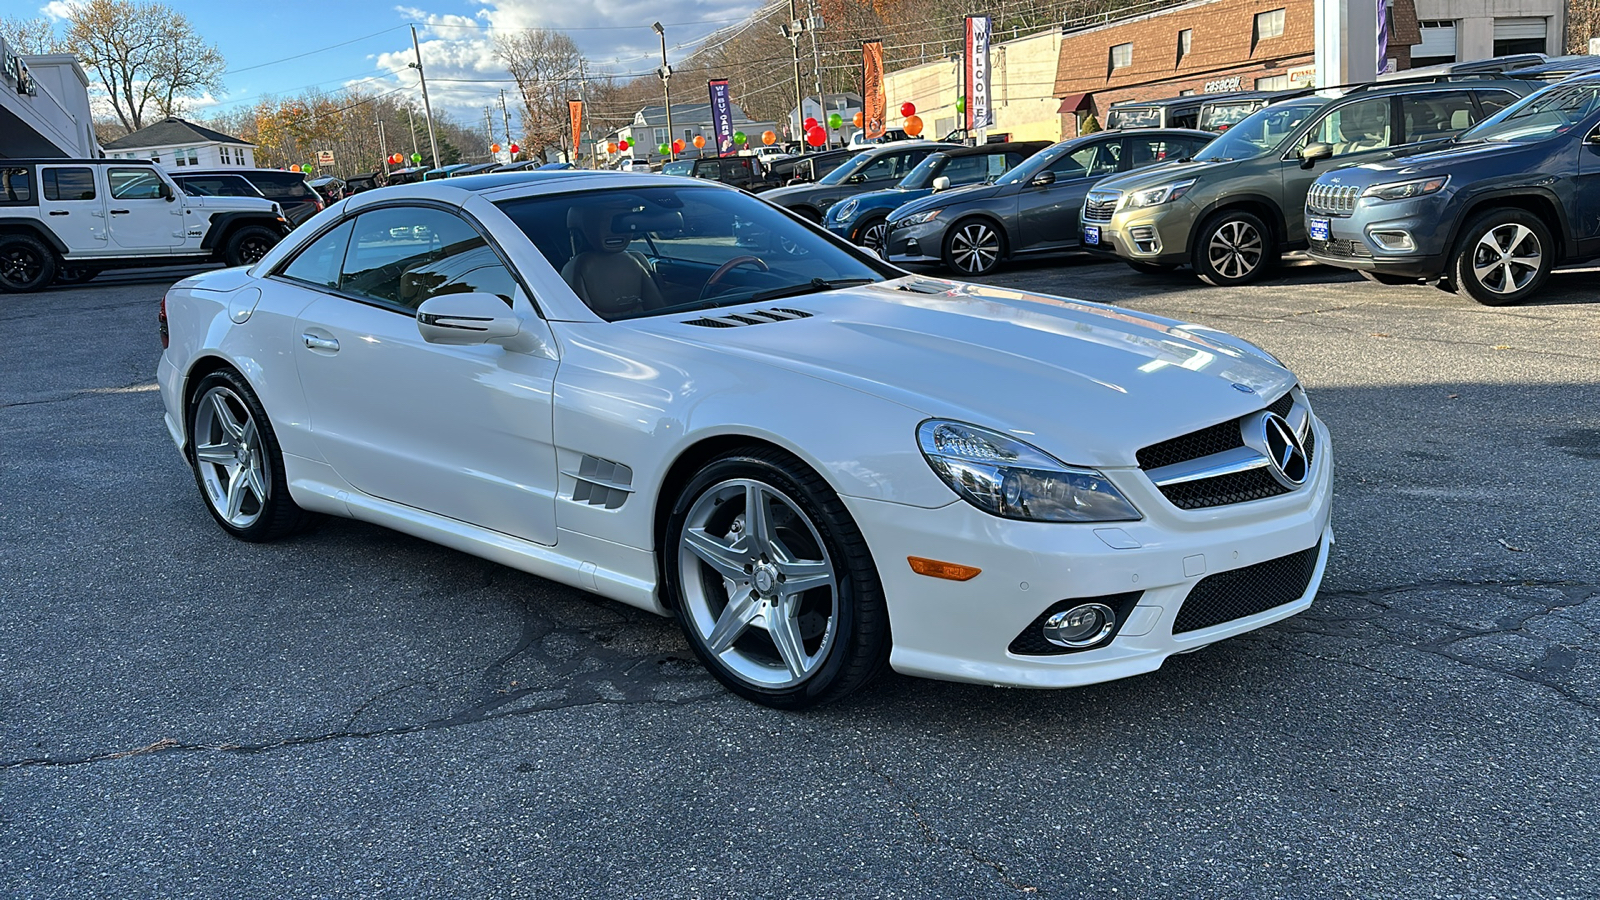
{"x": 1216, "y": 467}
{"x": 1335, "y": 199}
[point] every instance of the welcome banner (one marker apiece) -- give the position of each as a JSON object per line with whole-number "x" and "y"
{"x": 979, "y": 30}
{"x": 875, "y": 111}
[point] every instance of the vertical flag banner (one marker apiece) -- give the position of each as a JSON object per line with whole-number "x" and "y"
{"x": 875, "y": 120}
{"x": 979, "y": 31}
{"x": 1383, "y": 36}
{"x": 721, "y": 115}
{"x": 575, "y": 109}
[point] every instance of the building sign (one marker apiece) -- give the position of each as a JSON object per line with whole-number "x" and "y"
{"x": 15, "y": 71}
{"x": 979, "y": 31}
{"x": 1305, "y": 76}
{"x": 875, "y": 108}
{"x": 721, "y": 114}
{"x": 324, "y": 157}
{"x": 1219, "y": 85}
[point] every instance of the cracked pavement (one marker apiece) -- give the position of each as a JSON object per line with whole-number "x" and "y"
{"x": 355, "y": 713}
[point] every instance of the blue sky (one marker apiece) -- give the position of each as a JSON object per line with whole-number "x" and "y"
{"x": 456, "y": 35}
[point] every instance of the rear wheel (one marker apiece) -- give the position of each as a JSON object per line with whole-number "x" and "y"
{"x": 1233, "y": 247}
{"x": 1503, "y": 257}
{"x": 247, "y": 245}
{"x": 772, "y": 582}
{"x": 237, "y": 462}
{"x": 973, "y": 247}
{"x": 26, "y": 264}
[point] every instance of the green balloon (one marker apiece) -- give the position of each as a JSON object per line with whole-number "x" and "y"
{"x": 416, "y": 158}
{"x": 664, "y": 149}
{"x": 739, "y": 138}
{"x": 835, "y": 121}
{"x": 961, "y": 104}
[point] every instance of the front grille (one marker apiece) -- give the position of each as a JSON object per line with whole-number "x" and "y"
{"x": 1099, "y": 206}
{"x": 1223, "y": 490}
{"x": 1235, "y": 594}
{"x": 1334, "y": 199}
{"x": 1341, "y": 248}
{"x": 1218, "y": 438}
{"x": 1031, "y": 641}
{"x": 1239, "y": 487}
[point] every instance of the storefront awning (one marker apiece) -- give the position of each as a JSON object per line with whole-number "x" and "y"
{"x": 1071, "y": 103}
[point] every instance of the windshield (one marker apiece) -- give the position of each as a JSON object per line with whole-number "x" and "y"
{"x": 1036, "y": 163}
{"x": 1552, "y": 111}
{"x": 1134, "y": 117}
{"x": 1260, "y": 132}
{"x": 857, "y": 163}
{"x": 639, "y": 252}
{"x": 926, "y": 171}
{"x": 1222, "y": 116}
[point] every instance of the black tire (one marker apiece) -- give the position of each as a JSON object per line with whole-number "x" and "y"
{"x": 973, "y": 247}
{"x": 26, "y": 264}
{"x": 246, "y": 246}
{"x": 1526, "y": 254}
{"x": 859, "y": 648}
{"x": 1386, "y": 279}
{"x": 873, "y": 233}
{"x": 1145, "y": 268}
{"x": 72, "y": 275}
{"x": 1233, "y": 247}
{"x": 274, "y": 516}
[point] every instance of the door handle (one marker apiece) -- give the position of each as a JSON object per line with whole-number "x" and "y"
{"x": 119, "y": 212}
{"x": 59, "y": 212}
{"x": 320, "y": 343}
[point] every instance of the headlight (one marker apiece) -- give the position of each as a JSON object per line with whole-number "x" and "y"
{"x": 847, "y": 209}
{"x": 1008, "y": 478}
{"x": 1405, "y": 190}
{"x": 917, "y": 218}
{"x": 1156, "y": 196}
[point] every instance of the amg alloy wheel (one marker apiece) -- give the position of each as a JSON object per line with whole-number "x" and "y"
{"x": 1504, "y": 256}
{"x": 973, "y": 248}
{"x": 237, "y": 463}
{"x": 1233, "y": 248}
{"x": 772, "y": 582}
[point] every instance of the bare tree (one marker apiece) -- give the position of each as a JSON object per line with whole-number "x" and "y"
{"x": 30, "y": 37}
{"x": 1583, "y": 23}
{"x": 545, "y": 64}
{"x": 147, "y": 56}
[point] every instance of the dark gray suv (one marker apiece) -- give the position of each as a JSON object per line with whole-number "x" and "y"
{"x": 1490, "y": 215}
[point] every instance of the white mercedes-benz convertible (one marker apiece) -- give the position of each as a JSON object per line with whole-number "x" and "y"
{"x": 674, "y": 395}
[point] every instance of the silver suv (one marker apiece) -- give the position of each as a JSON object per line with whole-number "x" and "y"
{"x": 64, "y": 220}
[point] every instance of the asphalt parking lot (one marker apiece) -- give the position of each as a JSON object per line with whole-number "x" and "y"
{"x": 355, "y": 713}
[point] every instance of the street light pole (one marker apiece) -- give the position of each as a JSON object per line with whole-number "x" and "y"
{"x": 505, "y": 116}
{"x": 412, "y": 118}
{"x": 383, "y": 147}
{"x": 433, "y": 142}
{"x": 792, "y": 30}
{"x": 666, "y": 96}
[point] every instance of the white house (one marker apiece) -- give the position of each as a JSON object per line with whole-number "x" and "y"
{"x": 174, "y": 143}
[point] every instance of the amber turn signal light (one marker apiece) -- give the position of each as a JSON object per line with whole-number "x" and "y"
{"x": 933, "y": 568}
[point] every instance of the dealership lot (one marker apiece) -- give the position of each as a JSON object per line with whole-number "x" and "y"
{"x": 357, "y": 713}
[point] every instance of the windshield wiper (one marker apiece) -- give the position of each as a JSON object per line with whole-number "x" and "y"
{"x": 813, "y": 286}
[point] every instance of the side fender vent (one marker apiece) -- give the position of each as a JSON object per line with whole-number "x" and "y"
{"x": 601, "y": 482}
{"x": 754, "y": 317}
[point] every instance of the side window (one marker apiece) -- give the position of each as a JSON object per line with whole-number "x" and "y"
{"x": 16, "y": 187}
{"x": 881, "y": 168}
{"x": 1436, "y": 114}
{"x": 1494, "y": 101}
{"x": 967, "y": 169}
{"x": 1145, "y": 151}
{"x": 321, "y": 261}
{"x": 1356, "y": 127}
{"x": 134, "y": 184}
{"x": 1094, "y": 161}
{"x": 405, "y": 254}
{"x": 76, "y": 183}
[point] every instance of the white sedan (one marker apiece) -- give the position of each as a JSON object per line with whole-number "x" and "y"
{"x": 679, "y": 397}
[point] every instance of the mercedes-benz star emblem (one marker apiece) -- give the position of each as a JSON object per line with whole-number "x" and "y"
{"x": 1285, "y": 454}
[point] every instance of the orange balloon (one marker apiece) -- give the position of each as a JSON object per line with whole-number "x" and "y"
{"x": 699, "y": 141}
{"x": 611, "y": 147}
{"x": 913, "y": 125}
{"x": 859, "y": 119}
{"x": 494, "y": 148}
{"x": 769, "y": 138}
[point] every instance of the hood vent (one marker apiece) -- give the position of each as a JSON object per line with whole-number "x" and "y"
{"x": 756, "y": 317}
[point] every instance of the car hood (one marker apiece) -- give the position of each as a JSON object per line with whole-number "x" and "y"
{"x": 1435, "y": 162}
{"x": 800, "y": 191}
{"x": 1090, "y": 384}
{"x": 954, "y": 195}
{"x": 1164, "y": 173}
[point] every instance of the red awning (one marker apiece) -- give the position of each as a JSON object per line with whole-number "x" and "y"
{"x": 1071, "y": 103}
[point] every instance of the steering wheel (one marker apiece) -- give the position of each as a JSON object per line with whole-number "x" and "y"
{"x": 727, "y": 267}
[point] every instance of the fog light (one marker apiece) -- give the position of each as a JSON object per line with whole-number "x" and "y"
{"x": 1144, "y": 239}
{"x": 1393, "y": 240}
{"x": 1081, "y": 626}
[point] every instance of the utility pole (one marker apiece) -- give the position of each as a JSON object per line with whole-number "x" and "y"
{"x": 792, "y": 30}
{"x": 411, "y": 117}
{"x": 427, "y": 108}
{"x": 583, "y": 97}
{"x": 383, "y": 147}
{"x": 488, "y": 129}
{"x": 506, "y": 117}
{"x": 813, "y": 25}
{"x": 666, "y": 96}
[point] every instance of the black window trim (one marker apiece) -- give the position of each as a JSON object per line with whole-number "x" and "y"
{"x": 472, "y": 222}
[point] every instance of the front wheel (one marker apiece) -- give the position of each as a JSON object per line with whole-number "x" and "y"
{"x": 26, "y": 264}
{"x": 1504, "y": 256}
{"x": 247, "y": 245}
{"x": 973, "y": 247}
{"x": 772, "y": 582}
{"x": 873, "y": 233}
{"x": 237, "y": 462}
{"x": 1232, "y": 248}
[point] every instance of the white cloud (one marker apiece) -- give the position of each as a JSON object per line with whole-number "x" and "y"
{"x": 57, "y": 9}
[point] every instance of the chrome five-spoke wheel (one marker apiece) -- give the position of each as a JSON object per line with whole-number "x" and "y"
{"x": 1507, "y": 258}
{"x": 758, "y": 583}
{"x": 228, "y": 457}
{"x": 1504, "y": 256}
{"x": 973, "y": 248}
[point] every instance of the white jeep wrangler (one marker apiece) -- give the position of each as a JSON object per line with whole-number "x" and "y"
{"x": 64, "y": 220}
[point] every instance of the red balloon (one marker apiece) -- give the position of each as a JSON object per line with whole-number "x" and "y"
{"x": 622, "y": 145}
{"x": 677, "y": 146}
{"x": 809, "y": 123}
{"x": 816, "y": 137}
{"x": 513, "y": 148}
{"x": 908, "y": 109}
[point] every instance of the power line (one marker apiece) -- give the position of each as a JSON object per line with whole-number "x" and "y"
{"x": 312, "y": 52}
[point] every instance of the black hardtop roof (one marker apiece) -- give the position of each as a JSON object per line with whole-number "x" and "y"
{"x": 1284, "y": 94}
{"x": 1164, "y": 101}
{"x": 62, "y": 160}
{"x": 241, "y": 170}
{"x": 1559, "y": 64}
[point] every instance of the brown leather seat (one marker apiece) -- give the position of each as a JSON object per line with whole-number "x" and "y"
{"x": 604, "y": 274}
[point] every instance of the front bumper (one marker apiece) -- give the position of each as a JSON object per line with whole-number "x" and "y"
{"x": 1153, "y": 234}
{"x": 917, "y": 244}
{"x": 962, "y": 631}
{"x": 1350, "y": 244}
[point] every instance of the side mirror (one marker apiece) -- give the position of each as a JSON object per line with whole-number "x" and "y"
{"x": 1593, "y": 139}
{"x": 165, "y": 191}
{"x": 942, "y": 183}
{"x": 858, "y": 178}
{"x": 1043, "y": 178}
{"x": 464, "y": 319}
{"x": 1310, "y": 153}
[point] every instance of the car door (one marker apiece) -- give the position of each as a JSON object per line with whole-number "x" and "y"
{"x": 1047, "y": 214}
{"x": 1359, "y": 132}
{"x": 463, "y": 432}
{"x": 74, "y": 207}
{"x": 142, "y": 212}
{"x": 1587, "y": 200}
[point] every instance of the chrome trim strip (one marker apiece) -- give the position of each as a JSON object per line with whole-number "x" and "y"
{"x": 1228, "y": 462}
